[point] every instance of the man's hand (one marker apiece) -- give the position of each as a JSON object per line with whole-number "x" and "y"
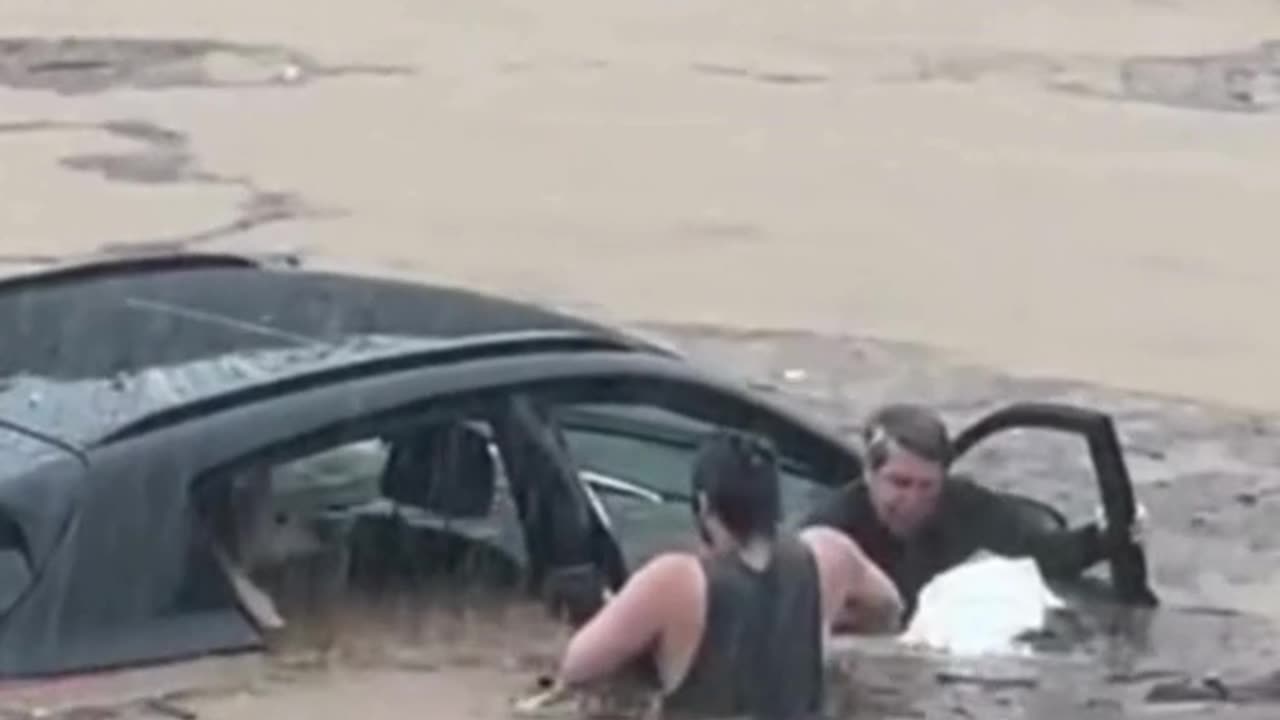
{"x": 861, "y": 618}
{"x": 1137, "y": 530}
{"x": 576, "y": 593}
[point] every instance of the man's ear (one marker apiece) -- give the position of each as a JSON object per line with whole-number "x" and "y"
{"x": 699, "y": 503}
{"x": 701, "y": 517}
{"x": 877, "y": 444}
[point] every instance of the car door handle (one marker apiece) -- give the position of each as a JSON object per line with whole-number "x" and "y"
{"x": 609, "y": 484}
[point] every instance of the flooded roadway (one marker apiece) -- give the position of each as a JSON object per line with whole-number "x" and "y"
{"x": 1075, "y": 145}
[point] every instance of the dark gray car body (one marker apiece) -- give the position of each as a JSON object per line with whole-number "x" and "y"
{"x": 125, "y": 381}
{"x": 122, "y": 380}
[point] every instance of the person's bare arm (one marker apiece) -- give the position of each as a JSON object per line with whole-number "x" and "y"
{"x": 629, "y": 623}
{"x": 857, "y": 595}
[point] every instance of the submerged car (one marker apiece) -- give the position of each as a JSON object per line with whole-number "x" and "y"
{"x": 403, "y": 430}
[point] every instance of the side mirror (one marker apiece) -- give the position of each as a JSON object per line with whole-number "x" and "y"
{"x": 575, "y": 593}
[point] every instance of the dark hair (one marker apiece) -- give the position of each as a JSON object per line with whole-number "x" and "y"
{"x": 738, "y": 473}
{"x": 915, "y": 428}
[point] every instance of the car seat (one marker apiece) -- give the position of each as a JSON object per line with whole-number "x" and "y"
{"x": 441, "y": 485}
{"x": 446, "y": 471}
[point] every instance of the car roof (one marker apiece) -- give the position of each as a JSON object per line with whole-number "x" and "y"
{"x": 91, "y": 348}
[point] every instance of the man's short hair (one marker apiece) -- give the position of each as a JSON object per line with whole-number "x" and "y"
{"x": 738, "y": 473}
{"x": 915, "y": 428}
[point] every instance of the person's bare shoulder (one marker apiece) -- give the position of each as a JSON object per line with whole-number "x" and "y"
{"x": 858, "y": 593}
{"x": 667, "y": 568}
{"x": 663, "y": 587}
{"x": 831, "y": 544}
{"x": 663, "y": 578}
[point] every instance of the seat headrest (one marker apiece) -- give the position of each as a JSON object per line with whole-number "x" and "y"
{"x": 446, "y": 470}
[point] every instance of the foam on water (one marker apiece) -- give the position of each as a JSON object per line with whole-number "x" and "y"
{"x": 982, "y": 608}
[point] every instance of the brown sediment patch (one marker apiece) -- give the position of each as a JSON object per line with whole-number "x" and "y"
{"x": 163, "y": 155}
{"x": 77, "y": 65}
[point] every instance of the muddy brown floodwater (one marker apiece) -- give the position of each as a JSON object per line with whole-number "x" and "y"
{"x": 1117, "y": 158}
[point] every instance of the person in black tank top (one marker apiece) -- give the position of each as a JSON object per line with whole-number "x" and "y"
{"x": 761, "y": 649}
{"x": 737, "y": 631}
{"x": 760, "y": 654}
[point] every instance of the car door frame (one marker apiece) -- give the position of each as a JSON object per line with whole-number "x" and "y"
{"x": 830, "y": 463}
{"x": 222, "y": 441}
{"x": 649, "y": 431}
{"x": 1128, "y": 564}
{"x": 500, "y": 407}
{"x": 197, "y": 437}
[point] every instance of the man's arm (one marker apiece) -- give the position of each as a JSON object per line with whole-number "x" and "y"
{"x": 628, "y": 624}
{"x": 1006, "y": 528}
{"x": 857, "y": 595}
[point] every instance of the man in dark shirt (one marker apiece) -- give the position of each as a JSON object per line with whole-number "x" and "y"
{"x": 917, "y": 520}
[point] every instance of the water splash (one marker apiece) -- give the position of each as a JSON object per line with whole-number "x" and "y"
{"x": 983, "y": 607}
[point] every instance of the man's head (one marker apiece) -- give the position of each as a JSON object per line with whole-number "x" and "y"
{"x": 735, "y": 488}
{"x": 908, "y": 451}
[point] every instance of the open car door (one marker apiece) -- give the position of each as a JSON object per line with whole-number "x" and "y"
{"x": 1128, "y": 566}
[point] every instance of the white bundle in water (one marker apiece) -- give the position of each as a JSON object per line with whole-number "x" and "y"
{"x": 981, "y": 607}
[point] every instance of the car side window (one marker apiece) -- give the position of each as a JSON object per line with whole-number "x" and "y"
{"x": 277, "y": 508}
{"x": 399, "y": 504}
{"x": 637, "y": 459}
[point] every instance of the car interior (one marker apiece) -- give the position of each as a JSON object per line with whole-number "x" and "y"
{"x": 428, "y": 508}
{"x": 435, "y": 515}
{"x": 362, "y": 519}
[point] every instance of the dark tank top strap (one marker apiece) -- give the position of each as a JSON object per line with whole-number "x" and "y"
{"x": 761, "y": 650}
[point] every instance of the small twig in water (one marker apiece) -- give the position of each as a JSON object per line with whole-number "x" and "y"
{"x": 990, "y": 683}
{"x": 169, "y": 709}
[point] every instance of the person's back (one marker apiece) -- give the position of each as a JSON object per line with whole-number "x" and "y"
{"x": 739, "y": 629}
{"x": 760, "y": 654}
